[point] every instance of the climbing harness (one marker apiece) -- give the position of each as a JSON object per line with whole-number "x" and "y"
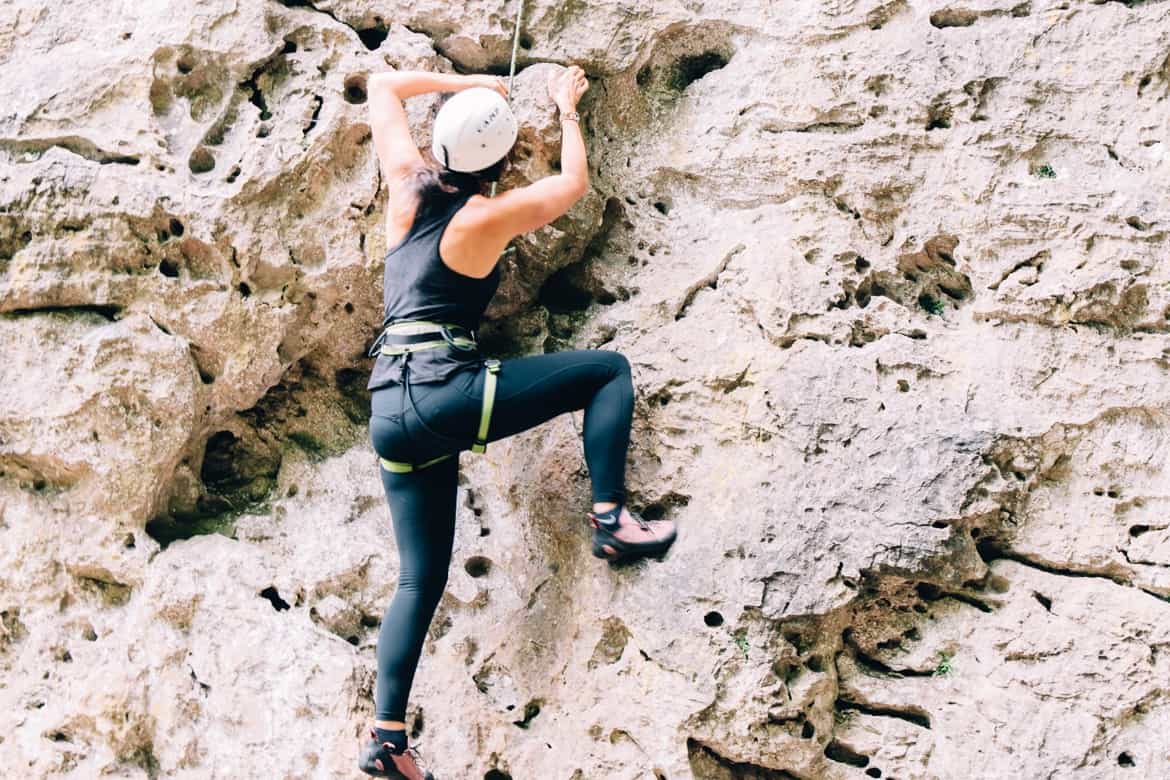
{"x": 409, "y": 336}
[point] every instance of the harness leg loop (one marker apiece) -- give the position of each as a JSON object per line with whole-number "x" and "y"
{"x": 489, "y": 398}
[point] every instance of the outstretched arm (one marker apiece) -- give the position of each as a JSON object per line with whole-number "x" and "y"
{"x": 527, "y": 208}
{"x": 397, "y": 154}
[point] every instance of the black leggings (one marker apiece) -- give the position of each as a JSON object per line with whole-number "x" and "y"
{"x": 529, "y": 391}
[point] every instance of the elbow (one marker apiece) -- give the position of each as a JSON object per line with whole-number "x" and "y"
{"x": 386, "y": 81}
{"x": 578, "y": 186}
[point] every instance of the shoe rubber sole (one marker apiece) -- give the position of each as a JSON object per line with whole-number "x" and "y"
{"x": 613, "y": 550}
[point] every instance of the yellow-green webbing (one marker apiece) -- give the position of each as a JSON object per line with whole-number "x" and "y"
{"x": 485, "y": 418}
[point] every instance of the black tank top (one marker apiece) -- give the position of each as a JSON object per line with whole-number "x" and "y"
{"x": 418, "y": 285}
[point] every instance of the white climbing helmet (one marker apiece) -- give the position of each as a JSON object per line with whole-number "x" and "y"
{"x": 474, "y": 130}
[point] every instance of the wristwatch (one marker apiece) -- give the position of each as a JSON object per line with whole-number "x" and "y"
{"x": 572, "y": 116}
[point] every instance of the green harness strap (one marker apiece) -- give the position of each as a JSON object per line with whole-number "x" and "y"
{"x": 485, "y": 417}
{"x": 489, "y": 398}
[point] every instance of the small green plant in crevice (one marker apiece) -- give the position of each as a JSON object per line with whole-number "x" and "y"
{"x": 1045, "y": 172}
{"x": 931, "y": 304}
{"x": 742, "y": 643}
{"x": 944, "y": 668}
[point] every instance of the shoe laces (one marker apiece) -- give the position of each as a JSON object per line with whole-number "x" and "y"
{"x": 410, "y": 750}
{"x": 641, "y": 523}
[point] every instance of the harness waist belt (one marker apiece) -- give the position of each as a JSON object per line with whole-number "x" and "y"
{"x": 400, "y": 338}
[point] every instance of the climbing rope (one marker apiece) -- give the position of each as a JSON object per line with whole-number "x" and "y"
{"x": 512, "y": 67}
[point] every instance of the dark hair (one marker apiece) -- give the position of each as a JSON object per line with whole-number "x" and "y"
{"x": 438, "y": 186}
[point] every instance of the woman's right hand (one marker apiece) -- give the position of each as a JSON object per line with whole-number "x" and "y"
{"x": 567, "y": 87}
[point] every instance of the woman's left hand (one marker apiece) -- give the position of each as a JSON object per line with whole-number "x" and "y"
{"x": 491, "y": 82}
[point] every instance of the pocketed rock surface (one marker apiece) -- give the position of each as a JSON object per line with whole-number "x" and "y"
{"x": 893, "y": 280}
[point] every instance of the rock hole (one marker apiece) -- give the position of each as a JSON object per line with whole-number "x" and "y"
{"x": 129, "y": 542}
{"x": 808, "y": 730}
{"x": 713, "y": 619}
{"x": 939, "y": 524}
{"x": 814, "y": 664}
{"x": 531, "y": 710}
{"x": 244, "y": 289}
{"x": 289, "y": 46}
{"x": 836, "y": 751}
{"x": 928, "y": 592}
{"x": 938, "y": 118}
{"x": 372, "y": 37}
{"x": 1137, "y": 530}
{"x": 416, "y": 728}
{"x": 184, "y": 65}
{"x": 348, "y": 308}
{"x": 318, "y": 101}
{"x": 355, "y": 89}
{"x": 1044, "y": 600}
{"x": 663, "y": 207}
{"x": 168, "y": 268}
{"x": 653, "y": 512}
{"x": 278, "y": 603}
{"x": 477, "y": 566}
{"x": 484, "y": 531}
{"x": 525, "y": 42}
{"x": 496, "y": 774}
{"x": 873, "y": 771}
{"x": 693, "y": 67}
{"x": 201, "y": 160}
{"x": 1125, "y": 759}
{"x": 176, "y": 227}
{"x": 561, "y": 294}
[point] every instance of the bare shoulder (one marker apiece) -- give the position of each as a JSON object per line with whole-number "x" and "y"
{"x": 473, "y": 241}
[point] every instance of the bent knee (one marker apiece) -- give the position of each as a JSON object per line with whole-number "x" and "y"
{"x": 617, "y": 362}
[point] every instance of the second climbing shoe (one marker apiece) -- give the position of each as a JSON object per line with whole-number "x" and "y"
{"x": 632, "y": 537}
{"x": 381, "y": 760}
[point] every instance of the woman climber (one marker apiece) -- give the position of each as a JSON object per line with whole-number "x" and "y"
{"x": 434, "y": 395}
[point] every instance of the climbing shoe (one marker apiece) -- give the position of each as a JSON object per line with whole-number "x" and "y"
{"x": 380, "y": 759}
{"x": 622, "y": 535}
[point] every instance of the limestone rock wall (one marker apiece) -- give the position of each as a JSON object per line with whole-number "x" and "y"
{"x": 893, "y": 280}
